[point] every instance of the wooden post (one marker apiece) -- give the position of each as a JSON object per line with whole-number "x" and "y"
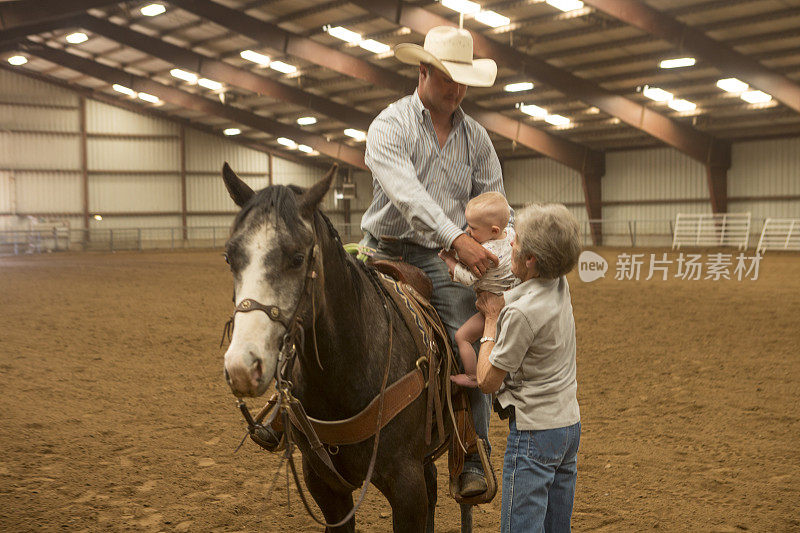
{"x": 84, "y": 165}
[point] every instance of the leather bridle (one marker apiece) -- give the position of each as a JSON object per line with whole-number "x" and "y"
{"x": 290, "y": 407}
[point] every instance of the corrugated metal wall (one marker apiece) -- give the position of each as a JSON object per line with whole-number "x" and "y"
{"x": 133, "y": 164}
{"x": 766, "y": 168}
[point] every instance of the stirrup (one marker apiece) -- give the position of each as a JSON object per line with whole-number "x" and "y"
{"x": 488, "y": 475}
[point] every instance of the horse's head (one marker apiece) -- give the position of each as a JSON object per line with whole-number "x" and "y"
{"x": 271, "y": 253}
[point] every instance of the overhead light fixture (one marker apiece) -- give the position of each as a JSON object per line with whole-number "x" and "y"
{"x": 356, "y": 134}
{"x": 124, "y": 90}
{"x": 678, "y": 62}
{"x": 679, "y": 104}
{"x": 305, "y": 148}
{"x": 288, "y": 143}
{"x": 183, "y": 75}
{"x": 517, "y": 87}
{"x": 557, "y": 120}
{"x": 732, "y": 85}
{"x": 209, "y": 84}
{"x": 149, "y": 98}
{"x": 462, "y": 6}
{"x": 17, "y": 60}
{"x": 77, "y": 38}
{"x": 493, "y": 19}
{"x": 566, "y": 5}
{"x": 231, "y": 131}
{"x": 654, "y": 93}
{"x": 344, "y": 34}
{"x": 255, "y": 57}
{"x": 307, "y": 121}
{"x": 533, "y": 110}
{"x": 593, "y": 111}
{"x": 152, "y": 10}
{"x": 756, "y": 97}
{"x": 374, "y": 46}
{"x": 98, "y": 217}
{"x": 280, "y": 66}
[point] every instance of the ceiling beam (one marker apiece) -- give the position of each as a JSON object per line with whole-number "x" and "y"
{"x": 696, "y": 144}
{"x": 129, "y": 105}
{"x": 21, "y": 13}
{"x": 726, "y": 59}
{"x": 221, "y": 71}
{"x": 341, "y": 152}
{"x": 576, "y": 156}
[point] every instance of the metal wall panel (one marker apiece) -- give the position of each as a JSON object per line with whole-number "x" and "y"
{"x": 103, "y": 118}
{"x": 290, "y": 173}
{"x": 132, "y": 154}
{"x": 765, "y": 168}
{"x": 47, "y": 192}
{"x": 206, "y": 221}
{"x": 541, "y": 180}
{"x": 18, "y": 88}
{"x": 39, "y": 151}
{"x": 657, "y": 174}
{"x": 8, "y": 193}
{"x": 364, "y": 190}
{"x": 207, "y": 153}
{"x": 135, "y": 192}
{"x": 763, "y": 210}
{"x": 207, "y": 192}
{"x": 118, "y": 222}
{"x": 32, "y": 118}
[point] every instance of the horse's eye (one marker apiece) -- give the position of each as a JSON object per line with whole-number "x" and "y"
{"x": 226, "y": 258}
{"x": 297, "y": 260}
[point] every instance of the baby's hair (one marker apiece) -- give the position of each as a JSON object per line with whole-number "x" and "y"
{"x": 492, "y": 208}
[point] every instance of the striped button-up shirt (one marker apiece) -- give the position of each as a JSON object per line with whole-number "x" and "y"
{"x": 420, "y": 190}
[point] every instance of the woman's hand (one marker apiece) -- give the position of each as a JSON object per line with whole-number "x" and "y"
{"x": 490, "y": 304}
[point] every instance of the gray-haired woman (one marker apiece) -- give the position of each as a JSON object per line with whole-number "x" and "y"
{"x": 527, "y": 356}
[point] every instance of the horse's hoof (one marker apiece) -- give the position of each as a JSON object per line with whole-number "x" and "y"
{"x": 472, "y": 484}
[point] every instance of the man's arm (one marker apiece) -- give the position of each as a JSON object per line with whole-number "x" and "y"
{"x": 388, "y": 157}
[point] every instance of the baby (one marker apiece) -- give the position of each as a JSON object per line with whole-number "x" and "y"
{"x": 487, "y": 217}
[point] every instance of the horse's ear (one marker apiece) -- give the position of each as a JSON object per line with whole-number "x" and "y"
{"x": 240, "y": 192}
{"x": 313, "y": 196}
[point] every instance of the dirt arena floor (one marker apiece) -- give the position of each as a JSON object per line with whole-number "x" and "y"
{"x": 115, "y": 415}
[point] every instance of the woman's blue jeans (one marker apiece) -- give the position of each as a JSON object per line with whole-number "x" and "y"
{"x": 539, "y": 473}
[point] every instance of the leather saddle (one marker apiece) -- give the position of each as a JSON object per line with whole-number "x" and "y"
{"x": 408, "y": 274}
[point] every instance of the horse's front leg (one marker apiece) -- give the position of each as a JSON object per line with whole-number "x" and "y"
{"x": 431, "y": 480}
{"x": 334, "y": 505}
{"x": 405, "y": 488}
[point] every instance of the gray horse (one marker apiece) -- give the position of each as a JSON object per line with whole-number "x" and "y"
{"x": 269, "y": 250}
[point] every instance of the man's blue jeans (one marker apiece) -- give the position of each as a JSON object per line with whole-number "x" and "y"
{"x": 455, "y": 303}
{"x": 539, "y": 473}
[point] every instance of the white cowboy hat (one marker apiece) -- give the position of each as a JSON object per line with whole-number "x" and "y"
{"x": 450, "y": 50}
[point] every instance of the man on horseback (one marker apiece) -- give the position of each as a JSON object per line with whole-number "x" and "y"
{"x": 428, "y": 159}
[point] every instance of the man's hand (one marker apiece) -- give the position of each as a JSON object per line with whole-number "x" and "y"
{"x": 474, "y": 256}
{"x": 490, "y": 304}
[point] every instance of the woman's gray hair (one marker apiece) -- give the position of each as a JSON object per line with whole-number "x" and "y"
{"x": 550, "y": 233}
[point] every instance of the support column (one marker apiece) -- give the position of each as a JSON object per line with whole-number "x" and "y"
{"x": 182, "y": 140}
{"x": 592, "y": 194}
{"x": 84, "y": 164}
{"x": 346, "y": 205}
{"x": 717, "y": 179}
{"x": 269, "y": 168}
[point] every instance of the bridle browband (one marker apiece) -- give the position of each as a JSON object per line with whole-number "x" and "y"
{"x": 290, "y": 407}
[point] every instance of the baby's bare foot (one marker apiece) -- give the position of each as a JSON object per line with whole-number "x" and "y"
{"x": 464, "y": 380}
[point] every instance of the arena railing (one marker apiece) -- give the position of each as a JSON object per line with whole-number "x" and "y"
{"x": 616, "y": 233}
